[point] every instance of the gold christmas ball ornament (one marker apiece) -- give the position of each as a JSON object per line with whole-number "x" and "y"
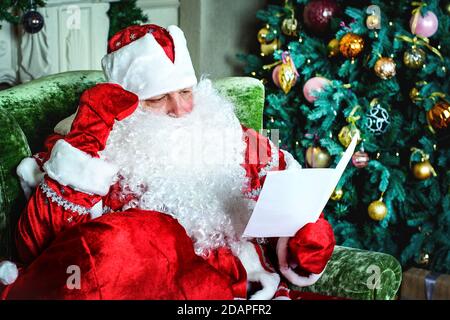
{"x": 337, "y": 195}
{"x": 269, "y": 48}
{"x": 424, "y": 258}
{"x": 438, "y": 116}
{"x": 289, "y": 26}
{"x": 262, "y": 35}
{"x": 414, "y": 58}
{"x": 377, "y": 210}
{"x": 423, "y": 170}
{"x": 414, "y": 95}
{"x": 351, "y": 45}
{"x": 333, "y": 48}
{"x": 318, "y": 157}
{"x": 285, "y": 75}
{"x": 373, "y": 21}
{"x": 347, "y": 133}
{"x": 385, "y": 68}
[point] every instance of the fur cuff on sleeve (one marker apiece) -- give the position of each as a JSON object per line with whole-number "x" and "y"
{"x": 30, "y": 175}
{"x": 291, "y": 163}
{"x": 75, "y": 168}
{"x": 288, "y": 272}
{"x": 250, "y": 259}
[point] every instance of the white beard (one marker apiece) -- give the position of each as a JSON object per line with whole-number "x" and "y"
{"x": 188, "y": 167}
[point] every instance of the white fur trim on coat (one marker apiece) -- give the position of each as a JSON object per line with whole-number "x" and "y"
{"x": 8, "y": 272}
{"x": 30, "y": 175}
{"x": 288, "y": 272}
{"x": 291, "y": 163}
{"x": 256, "y": 272}
{"x": 75, "y": 168}
{"x": 143, "y": 67}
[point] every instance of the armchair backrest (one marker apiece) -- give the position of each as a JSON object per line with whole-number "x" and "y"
{"x": 29, "y": 112}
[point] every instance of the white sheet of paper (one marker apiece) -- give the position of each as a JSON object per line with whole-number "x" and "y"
{"x": 290, "y": 199}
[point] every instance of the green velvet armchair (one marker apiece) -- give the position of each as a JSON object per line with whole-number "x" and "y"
{"x": 29, "y": 112}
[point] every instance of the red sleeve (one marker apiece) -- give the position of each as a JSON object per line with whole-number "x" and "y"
{"x": 115, "y": 200}
{"x": 51, "y": 209}
{"x": 261, "y": 156}
{"x": 312, "y": 246}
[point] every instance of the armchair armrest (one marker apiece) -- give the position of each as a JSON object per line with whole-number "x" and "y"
{"x": 359, "y": 274}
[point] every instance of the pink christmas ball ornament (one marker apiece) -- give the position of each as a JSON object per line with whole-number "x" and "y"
{"x": 313, "y": 85}
{"x": 426, "y": 25}
{"x": 275, "y": 73}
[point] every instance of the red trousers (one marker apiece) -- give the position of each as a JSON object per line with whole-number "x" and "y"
{"x": 134, "y": 254}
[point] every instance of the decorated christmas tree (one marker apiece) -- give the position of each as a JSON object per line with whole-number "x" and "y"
{"x": 378, "y": 68}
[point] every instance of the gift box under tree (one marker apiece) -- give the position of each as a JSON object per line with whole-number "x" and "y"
{"x": 421, "y": 284}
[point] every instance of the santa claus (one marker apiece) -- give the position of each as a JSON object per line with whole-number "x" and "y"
{"x": 145, "y": 192}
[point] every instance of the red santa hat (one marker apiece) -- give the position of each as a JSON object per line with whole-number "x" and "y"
{"x": 149, "y": 60}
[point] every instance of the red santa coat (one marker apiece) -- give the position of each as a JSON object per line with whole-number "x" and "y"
{"x": 139, "y": 254}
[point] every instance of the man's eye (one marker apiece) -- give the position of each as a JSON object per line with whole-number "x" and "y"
{"x": 157, "y": 99}
{"x": 186, "y": 91}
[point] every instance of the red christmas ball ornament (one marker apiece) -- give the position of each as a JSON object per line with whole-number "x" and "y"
{"x": 360, "y": 159}
{"x": 318, "y": 14}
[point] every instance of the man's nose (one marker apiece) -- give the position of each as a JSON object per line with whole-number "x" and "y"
{"x": 179, "y": 106}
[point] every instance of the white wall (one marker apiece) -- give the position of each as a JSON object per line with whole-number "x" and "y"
{"x": 217, "y": 30}
{"x": 161, "y": 12}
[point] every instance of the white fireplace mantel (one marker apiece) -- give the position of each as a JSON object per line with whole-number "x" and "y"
{"x": 50, "y": 3}
{"x": 8, "y": 54}
{"x": 74, "y": 37}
